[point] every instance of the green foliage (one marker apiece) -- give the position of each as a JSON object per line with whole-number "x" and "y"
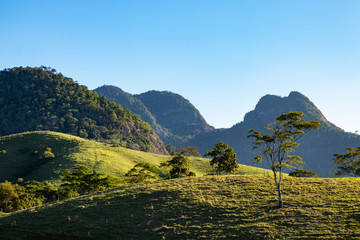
{"x": 170, "y": 149}
{"x": 285, "y": 132}
{"x": 179, "y": 167}
{"x": 48, "y": 154}
{"x": 303, "y": 173}
{"x": 41, "y": 192}
{"x": 34, "y": 190}
{"x": 187, "y": 151}
{"x": 348, "y": 163}
{"x": 82, "y": 180}
{"x": 142, "y": 172}
{"x": 41, "y": 99}
{"x": 13, "y": 197}
{"x": 213, "y": 207}
{"x": 223, "y": 157}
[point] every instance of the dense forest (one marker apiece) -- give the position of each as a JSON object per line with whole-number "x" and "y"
{"x": 41, "y": 99}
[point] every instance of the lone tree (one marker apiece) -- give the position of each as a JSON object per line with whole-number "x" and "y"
{"x": 223, "y": 157}
{"x": 275, "y": 146}
{"x": 349, "y": 162}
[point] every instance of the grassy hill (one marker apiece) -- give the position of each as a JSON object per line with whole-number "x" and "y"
{"x": 24, "y": 157}
{"x": 211, "y": 207}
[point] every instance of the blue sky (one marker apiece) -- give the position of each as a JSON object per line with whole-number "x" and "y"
{"x": 221, "y": 55}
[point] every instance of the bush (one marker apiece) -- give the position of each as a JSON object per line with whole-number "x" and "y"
{"x": 303, "y": 173}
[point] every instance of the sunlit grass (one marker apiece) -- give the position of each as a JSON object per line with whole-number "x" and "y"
{"x": 210, "y": 207}
{"x": 70, "y": 151}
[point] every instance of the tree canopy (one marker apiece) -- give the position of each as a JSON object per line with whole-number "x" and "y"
{"x": 223, "y": 158}
{"x": 142, "y": 172}
{"x": 278, "y": 145}
{"x": 83, "y": 180}
{"x": 179, "y": 166}
{"x": 303, "y": 173}
{"x": 348, "y": 163}
{"x": 187, "y": 151}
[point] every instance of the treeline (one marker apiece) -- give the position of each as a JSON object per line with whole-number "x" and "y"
{"x": 81, "y": 180}
{"x": 42, "y": 99}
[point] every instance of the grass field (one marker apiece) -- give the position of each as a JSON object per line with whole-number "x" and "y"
{"x": 23, "y": 157}
{"x": 210, "y": 207}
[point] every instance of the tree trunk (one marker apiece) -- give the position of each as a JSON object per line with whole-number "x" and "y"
{"x": 278, "y": 186}
{"x": 6, "y": 205}
{"x": 280, "y": 195}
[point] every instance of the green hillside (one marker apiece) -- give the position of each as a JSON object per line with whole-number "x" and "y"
{"x": 225, "y": 207}
{"x": 39, "y": 98}
{"x": 24, "y": 157}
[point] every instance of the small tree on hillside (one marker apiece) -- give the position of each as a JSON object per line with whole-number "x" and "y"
{"x": 142, "y": 172}
{"x": 349, "y": 162}
{"x": 13, "y": 197}
{"x": 223, "y": 157}
{"x": 284, "y": 134}
{"x": 187, "y": 151}
{"x": 83, "y": 180}
{"x": 179, "y": 166}
{"x": 303, "y": 173}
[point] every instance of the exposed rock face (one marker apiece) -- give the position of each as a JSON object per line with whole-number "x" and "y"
{"x": 41, "y": 99}
{"x": 171, "y": 116}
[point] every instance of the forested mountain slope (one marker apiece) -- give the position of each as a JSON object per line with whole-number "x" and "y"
{"x": 181, "y": 124}
{"x": 41, "y": 99}
{"x": 316, "y": 148}
{"x": 172, "y": 116}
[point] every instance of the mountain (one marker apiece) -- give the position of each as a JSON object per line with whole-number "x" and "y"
{"x": 211, "y": 207}
{"x": 316, "y": 148}
{"x": 178, "y": 122}
{"x": 24, "y": 157}
{"x": 171, "y": 116}
{"x": 42, "y": 99}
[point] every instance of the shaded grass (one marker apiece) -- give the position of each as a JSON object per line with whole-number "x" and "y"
{"x": 20, "y": 160}
{"x": 212, "y": 207}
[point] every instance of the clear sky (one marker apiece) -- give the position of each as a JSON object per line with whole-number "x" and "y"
{"x": 222, "y": 55}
